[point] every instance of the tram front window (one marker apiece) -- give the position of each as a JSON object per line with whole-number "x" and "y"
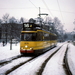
{"x": 28, "y": 37}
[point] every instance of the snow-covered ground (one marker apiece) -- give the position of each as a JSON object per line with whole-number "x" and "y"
{"x": 54, "y": 67}
{"x": 32, "y": 67}
{"x": 5, "y": 53}
{"x": 71, "y": 58}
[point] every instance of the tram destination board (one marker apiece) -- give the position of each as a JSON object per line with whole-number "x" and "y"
{"x": 28, "y": 26}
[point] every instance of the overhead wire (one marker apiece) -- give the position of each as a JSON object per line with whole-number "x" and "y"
{"x": 60, "y": 10}
{"x": 47, "y": 8}
{"x": 64, "y": 11}
{"x": 18, "y": 8}
{"x": 41, "y": 8}
{"x": 33, "y": 4}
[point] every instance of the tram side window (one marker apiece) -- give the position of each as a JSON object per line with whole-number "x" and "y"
{"x": 34, "y": 35}
{"x": 52, "y": 37}
{"x": 55, "y": 37}
{"x": 39, "y": 36}
{"x": 46, "y": 36}
{"x": 28, "y": 37}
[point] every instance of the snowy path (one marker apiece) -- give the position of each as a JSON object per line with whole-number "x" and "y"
{"x": 55, "y": 64}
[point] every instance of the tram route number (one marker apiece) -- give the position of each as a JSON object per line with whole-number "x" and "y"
{"x": 27, "y": 25}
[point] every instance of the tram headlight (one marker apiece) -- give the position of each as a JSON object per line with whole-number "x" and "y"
{"x": 26, "y": 46}
{"x": 31, "y": 48}
{"x": 22, "y": 48}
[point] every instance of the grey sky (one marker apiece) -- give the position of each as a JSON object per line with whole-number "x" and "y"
{"x": 30, "y": 9}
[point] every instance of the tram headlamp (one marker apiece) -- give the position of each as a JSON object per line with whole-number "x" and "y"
{"x": 26, "y": 46}
{"x": 31, "y": 48}
{"x": 22, "y": 48}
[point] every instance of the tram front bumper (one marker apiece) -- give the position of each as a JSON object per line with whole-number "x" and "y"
{"x": 27, "y": 51}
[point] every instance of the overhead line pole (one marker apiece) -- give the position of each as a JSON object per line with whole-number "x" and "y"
{"x": 42, "y": 13}
{"x": 39, "y": 12}
{"x": 40, "y": 16}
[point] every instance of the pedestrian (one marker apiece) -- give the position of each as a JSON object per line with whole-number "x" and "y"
{"x": 3, "y": 43}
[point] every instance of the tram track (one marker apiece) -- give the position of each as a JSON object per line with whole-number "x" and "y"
{"x": 9, "y": 63}
{"x": 9, "y": 60}
{"x": 9, "y": 70}
{"x": 6, "y": 61}
{"x": 65, "y": 62}
{"x": 30, "y": 60}
{"x": 18, "y": 65}
{"x": 44, "y": 64}
{"x": 66, "y": 65}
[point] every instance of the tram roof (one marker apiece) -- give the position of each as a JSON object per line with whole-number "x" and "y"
{"x": 38, "y": 27}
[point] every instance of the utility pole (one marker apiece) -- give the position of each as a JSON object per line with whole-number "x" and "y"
{"x": 10, "y": 36}
{"x": 39, "y": 12}
{"x": 6, "y": 32}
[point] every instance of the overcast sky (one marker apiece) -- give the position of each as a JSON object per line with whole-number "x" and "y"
{"x": 63, "y": 9}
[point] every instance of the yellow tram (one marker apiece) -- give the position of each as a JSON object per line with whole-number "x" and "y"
{"x": 35, "y": 39}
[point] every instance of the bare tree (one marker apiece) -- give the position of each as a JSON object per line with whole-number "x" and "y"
{"x": 48, "y": 20}
{"x": 22, "y": 20}
{"x": 12, "y": 20}
{"x": 59, "y": 27}
{"x": 0, "y": 21}
{"x": 5, "y": 18}
{"x": 0, "y": 29}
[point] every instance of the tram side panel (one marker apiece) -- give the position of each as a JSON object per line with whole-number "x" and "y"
{"x": 42, "y": 43}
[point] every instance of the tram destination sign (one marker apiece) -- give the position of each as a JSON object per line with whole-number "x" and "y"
{"x": 27, "y": 26}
